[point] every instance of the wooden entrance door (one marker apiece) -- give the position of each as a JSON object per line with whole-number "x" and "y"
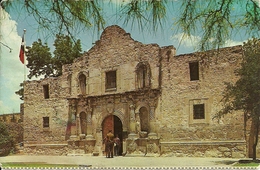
{"x": 108, "y": 124}
{"x": 114, "y": 124}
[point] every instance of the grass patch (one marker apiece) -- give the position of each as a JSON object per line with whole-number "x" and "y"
{"x": 247, "y": 164}
{"x": 35, "y": 164}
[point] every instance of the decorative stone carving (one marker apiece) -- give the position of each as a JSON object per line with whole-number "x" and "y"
{"x": 132, "y": 112}
{"x": 132, "y": 125}
{"x": 132, "y": 146}
{"x": 152, "y": 147}
{"x": 110, "y": 106}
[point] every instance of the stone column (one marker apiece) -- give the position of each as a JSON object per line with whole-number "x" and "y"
{"x": 78, "y": 125}
{"x": 152, "y": 133}
{"x": 152, "y": 145}
{"x": 90, "y": 141}
{"x": 132, "y": 124}
{"x": 72, "y": 118}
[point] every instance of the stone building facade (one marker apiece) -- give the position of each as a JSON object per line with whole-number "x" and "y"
{"x": 159, "y": 103}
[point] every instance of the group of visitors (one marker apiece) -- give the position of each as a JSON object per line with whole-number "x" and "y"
{"x": 112, "y": 145}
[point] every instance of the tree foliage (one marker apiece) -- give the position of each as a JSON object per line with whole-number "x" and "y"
{"x": 20, "y": 92}
{"x": 215, "y": 21}
{"x": 42, "y": 63}
{"x": 245, "y": 93}
{"x": 10, "y": 134}
{"x": 65, "y": 52}
{"x": 39, "y": 60}
{"x": 5, "y": 140}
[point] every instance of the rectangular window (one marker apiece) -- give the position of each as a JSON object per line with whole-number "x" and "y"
{"x": 194, "y": 71}
{"x": 46, "y": 91}
{"x": 198, "y": 111}
{"x": 111, "y": 80}
{"x": 46, "y": 122}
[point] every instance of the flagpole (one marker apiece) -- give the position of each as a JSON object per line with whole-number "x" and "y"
{"x": 24, "y": 68}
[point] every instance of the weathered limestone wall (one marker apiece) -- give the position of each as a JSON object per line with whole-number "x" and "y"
{"x": 179, "y": 93}
{"x": 203, "y": 149}
{"x": 36, "y": 107}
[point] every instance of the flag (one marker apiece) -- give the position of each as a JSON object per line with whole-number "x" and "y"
{"x": 21, "y": 55}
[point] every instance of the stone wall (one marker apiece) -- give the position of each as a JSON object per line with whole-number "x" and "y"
{"x": 12, "y": 117}
{"x": 43, "y": 149}
{"x": 36, "y": 107}
{"x": 179, "y": 94}
{"x": 228, "y": 149}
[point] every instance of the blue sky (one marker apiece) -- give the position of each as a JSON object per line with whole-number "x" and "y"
{"x": 13, "y": 24}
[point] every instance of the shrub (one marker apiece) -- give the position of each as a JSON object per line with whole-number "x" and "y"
{"x": 6, "y": 141}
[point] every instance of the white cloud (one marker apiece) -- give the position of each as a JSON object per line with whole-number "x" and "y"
{"x": 12, "y": 70}
{"x": 229, "y": 43}
{"x": 186, "y": 41}
{"x": 193, "y": 41}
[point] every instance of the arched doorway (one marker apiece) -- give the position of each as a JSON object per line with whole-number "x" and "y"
{"x": 114, "y": 124}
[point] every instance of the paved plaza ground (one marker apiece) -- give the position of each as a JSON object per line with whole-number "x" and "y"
{"x": 100, "y": 161}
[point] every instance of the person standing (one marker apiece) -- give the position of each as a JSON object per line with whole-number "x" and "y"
{"x": 117, "y": 145}
{"x": 105, "y": 145}
{"x": 110, "y": 144}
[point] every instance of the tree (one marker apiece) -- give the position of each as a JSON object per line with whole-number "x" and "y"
{"x": 215, "y": 21}
{"x": 42, "y": 63}
{"x": 244, "y": 94}
{"x": 20, "y": 92}
{"x": 39, "y": 60}
{"x": 6, "y": 141}
{"x": 65, "y": 52}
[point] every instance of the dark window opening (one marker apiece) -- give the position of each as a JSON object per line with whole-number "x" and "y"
{"x": 111, "y": 80}
{"x": 46, "y": 122}
{"x": 46, "y": 91}
{"x": 194, "y": 71}
{"x": 198, "y": 111}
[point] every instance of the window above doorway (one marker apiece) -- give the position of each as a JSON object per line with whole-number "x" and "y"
{"x": 110, "y": 80}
